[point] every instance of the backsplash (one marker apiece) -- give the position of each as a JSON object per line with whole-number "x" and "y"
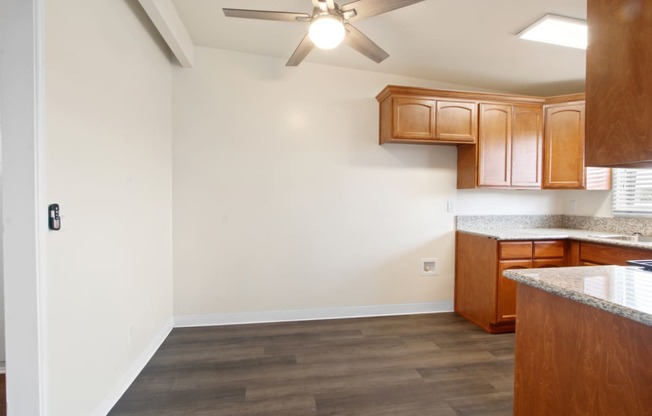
{"x": 493, "y": 222}
{"x": 609, "y": 225}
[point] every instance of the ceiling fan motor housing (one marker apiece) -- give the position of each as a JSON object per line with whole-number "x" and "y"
{"x": 332, "y": 20}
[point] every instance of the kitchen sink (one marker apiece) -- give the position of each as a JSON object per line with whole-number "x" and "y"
{"x": 632, "y": 238}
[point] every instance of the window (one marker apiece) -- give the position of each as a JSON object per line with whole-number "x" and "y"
{"x": 632, "y": 191}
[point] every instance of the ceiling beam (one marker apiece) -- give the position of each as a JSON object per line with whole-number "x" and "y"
{"x": 166, "y": 19}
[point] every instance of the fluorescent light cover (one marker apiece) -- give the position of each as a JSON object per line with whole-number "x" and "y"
{"x": 557, "y": 30}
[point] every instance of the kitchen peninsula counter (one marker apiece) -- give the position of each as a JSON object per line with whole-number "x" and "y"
{"x": 583, "y": 341}
{"x": 624, "y": 291}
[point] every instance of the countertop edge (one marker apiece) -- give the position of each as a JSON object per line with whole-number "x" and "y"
{"x": 620, "y": 310}
{"x": 530, "y": 234}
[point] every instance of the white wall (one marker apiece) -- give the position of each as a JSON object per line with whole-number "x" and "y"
{"x": 23, "y": 200}
{"x": 508, "y": 202}
{"x": 587, "y": 203}
{"x": 283, "y": 199}
{"x": 108, "y": 103}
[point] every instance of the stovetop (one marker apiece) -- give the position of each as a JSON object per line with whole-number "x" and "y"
{"x": 645, "y": 264}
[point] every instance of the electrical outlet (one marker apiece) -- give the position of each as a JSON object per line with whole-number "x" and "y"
{"x": 572, "y": 206}
{"x": 428, "y": 267}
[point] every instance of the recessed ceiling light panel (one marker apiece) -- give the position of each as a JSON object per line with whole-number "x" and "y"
{"x": 557, "y": 30}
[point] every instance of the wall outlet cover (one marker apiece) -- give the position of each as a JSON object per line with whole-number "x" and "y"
{"x": 428, "y": 267}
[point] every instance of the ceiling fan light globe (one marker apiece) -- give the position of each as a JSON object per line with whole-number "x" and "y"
{"x": 326, "y": 31}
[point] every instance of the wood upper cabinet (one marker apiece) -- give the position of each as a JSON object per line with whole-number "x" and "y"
{"x": 527, "y": 146}
{"x": 508, "y": 153}
{"x": 563, "y": 166}
{"x": 494, "y": 145}
{"x": 420, "y": 116}
{"x": 618, "y": 84}
{"x": 413, "y": 118}
{"x": 456, "y": 121}
{"x": 503, "y": 141}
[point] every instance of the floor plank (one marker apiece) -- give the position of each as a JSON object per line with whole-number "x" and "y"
{"x": 433, "y": 364}
{"x": 3, "y": 395}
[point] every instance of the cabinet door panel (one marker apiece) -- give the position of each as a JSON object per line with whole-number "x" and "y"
{"x": 527, "y": 146}
{"x": 506, "y": 302}
{"x": 564, "y": 147}
{"x": 494, "y": 150}
{"x": 456, "y": 121}
{"x": 414, "y": 118}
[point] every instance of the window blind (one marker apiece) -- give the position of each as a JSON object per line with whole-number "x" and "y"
{"x": 632, "y": 191}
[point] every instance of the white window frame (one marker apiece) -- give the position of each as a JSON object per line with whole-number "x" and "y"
{"x": 632, "y": 192}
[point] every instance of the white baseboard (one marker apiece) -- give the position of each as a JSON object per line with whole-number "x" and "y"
{"x": 132, "y": 372}
{"x": 310, "y": 314}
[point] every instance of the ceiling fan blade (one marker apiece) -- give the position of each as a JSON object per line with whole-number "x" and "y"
{"x": 265, "y": 15}
{"x": 361, "y": 43}
{"x": 301, "y": 52}
{"x": 368, "y": 8}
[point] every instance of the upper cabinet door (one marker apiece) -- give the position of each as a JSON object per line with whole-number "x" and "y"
{"x": 456, "y": 121}
{"x": 619, "y": 84}
{"x": 420, "y": 116}
{"x": 413, "y": 118}
{"x": 527, "y": 146}
{"x": 494, "y": 145}
{"x": 563, "y": 166}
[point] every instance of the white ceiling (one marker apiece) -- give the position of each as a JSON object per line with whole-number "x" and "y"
{"x": 470, "y": 42}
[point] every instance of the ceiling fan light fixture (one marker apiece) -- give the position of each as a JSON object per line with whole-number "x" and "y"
{"x": 326, "y": 31}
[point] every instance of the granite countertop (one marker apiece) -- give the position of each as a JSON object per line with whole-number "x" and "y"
{"x": 624, "y": 291}
{"x": 508, "y": 234}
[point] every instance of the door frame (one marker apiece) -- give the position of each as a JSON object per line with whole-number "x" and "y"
{"x": 25, "y": 206}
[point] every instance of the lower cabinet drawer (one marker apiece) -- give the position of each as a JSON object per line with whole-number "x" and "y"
{"x": 540, "y": 263}
{"x": 515, "y": 250}
{"x": 549, "y": 249}
{"x": 606, "y": 254}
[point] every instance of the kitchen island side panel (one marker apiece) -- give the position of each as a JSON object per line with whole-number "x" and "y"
{"x": 576, "y": 359}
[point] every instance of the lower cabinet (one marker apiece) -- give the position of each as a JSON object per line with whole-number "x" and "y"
{"x": 482, "y": 294}
{"x": 506, "y": 301}
{"x": 594, "y": 254}
{"x": 486, "y": 298}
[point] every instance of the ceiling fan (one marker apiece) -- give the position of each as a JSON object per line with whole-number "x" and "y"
{"x": 330, "y": 25}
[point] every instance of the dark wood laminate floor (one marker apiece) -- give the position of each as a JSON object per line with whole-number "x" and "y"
{"x": 3, "y": 395}
{"x": 415, "y": 365}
